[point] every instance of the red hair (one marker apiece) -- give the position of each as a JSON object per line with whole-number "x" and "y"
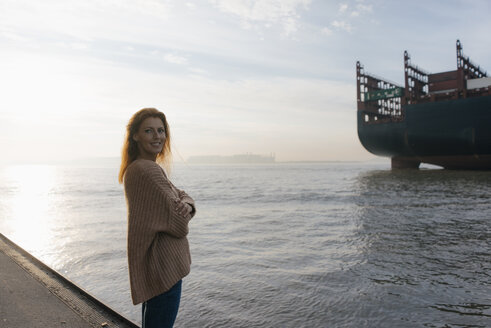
{"x": 129, "y": 152}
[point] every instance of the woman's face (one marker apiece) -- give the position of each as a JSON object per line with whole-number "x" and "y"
{"x": 150, "y": 138}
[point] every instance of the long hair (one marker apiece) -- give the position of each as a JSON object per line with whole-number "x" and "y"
{"x": 129, "y": 152}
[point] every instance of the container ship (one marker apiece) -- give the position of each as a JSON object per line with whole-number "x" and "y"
{"x": 442, "y": 119}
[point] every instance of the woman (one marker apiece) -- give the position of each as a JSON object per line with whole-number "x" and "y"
{"x": 158, "y": 216}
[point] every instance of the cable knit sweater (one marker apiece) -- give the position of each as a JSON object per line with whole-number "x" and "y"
{"x": 158, "y": 250}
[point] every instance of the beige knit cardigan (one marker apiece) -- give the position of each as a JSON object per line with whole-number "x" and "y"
{"x": 158, "y": 250}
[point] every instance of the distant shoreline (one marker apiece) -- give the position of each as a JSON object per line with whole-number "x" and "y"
{"x": 247, "y": 158}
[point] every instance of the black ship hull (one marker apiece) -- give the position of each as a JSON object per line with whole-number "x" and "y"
{"x": 454, "y": 134}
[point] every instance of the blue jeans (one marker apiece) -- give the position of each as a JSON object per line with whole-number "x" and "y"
{"x": 161, "y": 311}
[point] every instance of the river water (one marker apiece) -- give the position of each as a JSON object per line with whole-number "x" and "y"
{"x": 279, "y": 245}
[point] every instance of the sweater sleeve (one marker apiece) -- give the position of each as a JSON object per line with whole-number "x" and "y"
{"x": 183, "y": 196}
{"x": 157, "y": 206}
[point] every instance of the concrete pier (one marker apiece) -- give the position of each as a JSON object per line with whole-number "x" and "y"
{"x": 34, "y": 295}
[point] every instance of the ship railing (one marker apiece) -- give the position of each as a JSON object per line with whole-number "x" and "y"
{"x": 471, "y": 71}
{"x": 379, "y": 100}
{"x": 416, "y": 81}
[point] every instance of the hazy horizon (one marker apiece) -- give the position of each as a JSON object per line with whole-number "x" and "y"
{"x": 241, "y": 76}
{"x": 116, "y": 160}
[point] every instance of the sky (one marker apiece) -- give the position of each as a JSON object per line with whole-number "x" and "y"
{"x": 232, "y": 76}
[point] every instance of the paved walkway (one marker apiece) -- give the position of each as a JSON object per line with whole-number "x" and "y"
{"x": 33, "y": 295}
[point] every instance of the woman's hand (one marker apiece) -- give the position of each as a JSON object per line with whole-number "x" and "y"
{"x": 184, "y": 209}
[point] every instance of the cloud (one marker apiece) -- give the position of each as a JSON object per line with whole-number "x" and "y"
{"x": 342, "y": 25}
{"x": 79, "y": 46}
{"x": 361, "y": 9}
{"x": 12, "y": 35}
{"x": 347, "y": 17}
{"x": 175, "y": 59}
{"x": 191, "y": 5}
{"x": 84, "y": 20}
{"x": 197, "y": 71}
{"x": 327, "y": 31}
{"x": 269, "y": 12}
{"x": 343, "y": 7}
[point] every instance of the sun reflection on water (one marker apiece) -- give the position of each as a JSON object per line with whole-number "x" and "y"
{"x": 29, "y": 221}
